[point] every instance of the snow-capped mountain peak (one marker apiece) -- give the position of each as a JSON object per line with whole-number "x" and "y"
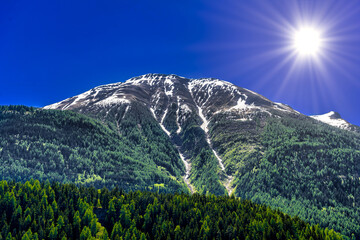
{"x": 334, "y": 119}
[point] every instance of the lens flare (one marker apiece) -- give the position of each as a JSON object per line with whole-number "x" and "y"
{"x": 307, "y": 41}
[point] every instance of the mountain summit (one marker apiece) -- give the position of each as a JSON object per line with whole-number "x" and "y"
{"x": 205, "y": 96}
{"x": 157, "y": 91}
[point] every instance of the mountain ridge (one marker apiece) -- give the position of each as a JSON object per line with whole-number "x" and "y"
{"x": 152, "y": 79}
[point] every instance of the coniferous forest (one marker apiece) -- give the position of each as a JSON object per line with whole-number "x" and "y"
{"x": 34, "y": 210}
{"x": 68, "y": 147}
{"x": 302, "y": 167}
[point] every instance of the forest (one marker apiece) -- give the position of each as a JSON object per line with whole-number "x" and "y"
{"x": 68, "y": 147}
{"x": 34, "y": 210}
{"x": 299, "y": 165}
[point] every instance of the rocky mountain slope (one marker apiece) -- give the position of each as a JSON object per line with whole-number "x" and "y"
{"x": 184, "y": 108}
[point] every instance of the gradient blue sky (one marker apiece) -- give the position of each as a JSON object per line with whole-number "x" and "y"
{"x": 52, "y": 50}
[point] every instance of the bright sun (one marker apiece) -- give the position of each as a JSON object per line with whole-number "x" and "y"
{"x": 307, "y": 41}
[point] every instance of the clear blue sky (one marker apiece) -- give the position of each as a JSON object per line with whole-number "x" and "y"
{"x": 51, "y": 50}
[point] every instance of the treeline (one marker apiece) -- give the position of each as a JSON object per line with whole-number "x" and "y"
{"x": 35, "y": 210}
{"x": 68, "y": 147}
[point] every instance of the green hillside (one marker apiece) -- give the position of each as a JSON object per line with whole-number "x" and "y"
{"x": 69, "y": 147}
{"x": 205, "y": 167}
{"x": 60, "y": 211}
{"x": 298, "y": 165}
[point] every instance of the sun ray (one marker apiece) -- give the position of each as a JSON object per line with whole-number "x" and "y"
{"x": 269, "y": 52}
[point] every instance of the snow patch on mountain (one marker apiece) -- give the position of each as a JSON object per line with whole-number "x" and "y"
{"x": 241, "y": 105}
{"x": 69, "y": 102}
{"x": 209, "y": 87}
{"x": 53, "y": 106}
{"x": 185, "y": 108}
{"x": 169, "y": 87}
{"x": 126, "y": 110}
{"x": 184, "y": 112}
{"x": 187, "y": 171}
{"x": 205, "y": 123}
{"x": 178, "y": 115}
{"x": 284, "y": 108}
{"x": 78, "y": 98}
{"x": 204, "y": 127}
{"x": 112, "y": 100}
{"x": 334, "y": 119}
{"x": 152, "y": 79}
{"x": 207, "y": 90}
{"x": 161, "y": 122}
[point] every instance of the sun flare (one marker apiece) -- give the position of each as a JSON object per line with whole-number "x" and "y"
{"x": 307, "y": 41}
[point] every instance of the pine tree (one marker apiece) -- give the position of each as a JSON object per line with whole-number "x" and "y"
{"x": 85, "y": 233}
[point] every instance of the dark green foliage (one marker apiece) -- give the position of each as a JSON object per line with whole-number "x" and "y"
{"x": 170, "y": 121}
{"x": 127, "y": 148}
{"x": 147, "y": 137}
{"x": 298, "y": 165}
{"x": 52, "y": 212}
{"x": 63, "y": 211}
{"x": 69, "y": 147}
{"x": 205, "y": 167}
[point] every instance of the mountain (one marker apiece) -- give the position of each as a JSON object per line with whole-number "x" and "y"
{"x": 334, "y": 119}
{"x": 199, "y": 135}
{"x": 185, "y": 109}
{"x": 233, "y": 140}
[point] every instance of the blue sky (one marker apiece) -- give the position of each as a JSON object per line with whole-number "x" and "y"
{"x": 51, "y": 50}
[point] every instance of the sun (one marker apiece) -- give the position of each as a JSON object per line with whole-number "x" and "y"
{"x": 307, "y": 41}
